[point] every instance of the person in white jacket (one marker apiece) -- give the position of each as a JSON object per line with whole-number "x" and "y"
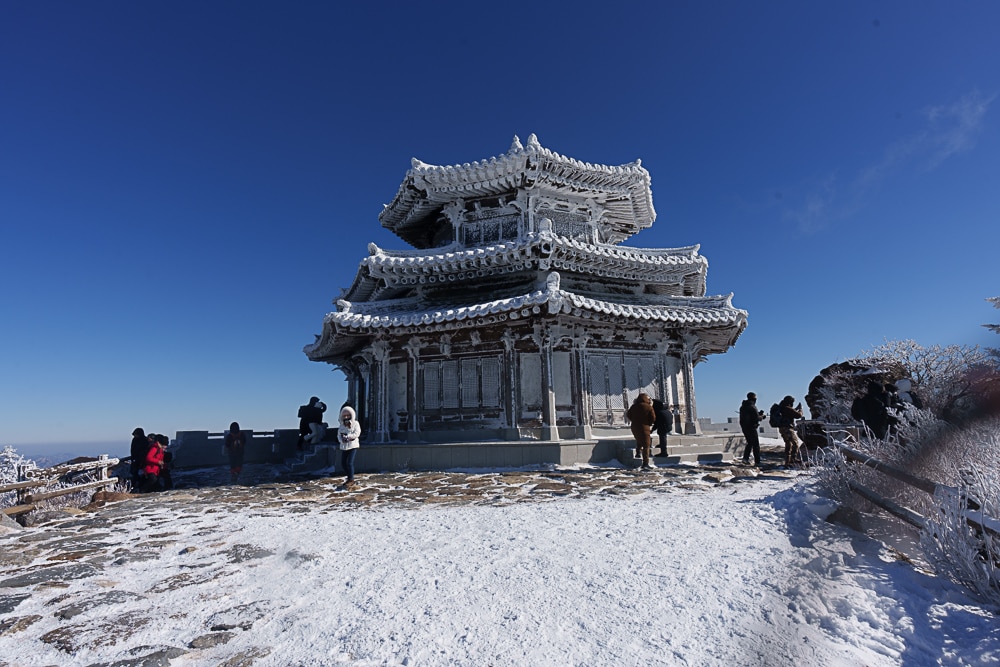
{"x": 348, "y": 435}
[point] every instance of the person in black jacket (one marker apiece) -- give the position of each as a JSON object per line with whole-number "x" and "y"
{"x": 309, "y": 414}
{"x": 137, "y": 452}
{"x": 663, "y": 424}
{"x": 750, "y": 418}
{"x": 870, "y": 409}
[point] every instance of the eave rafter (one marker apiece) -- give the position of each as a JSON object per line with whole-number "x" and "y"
{"x": 693, "y": 314}
{"x": 537, "y": 252}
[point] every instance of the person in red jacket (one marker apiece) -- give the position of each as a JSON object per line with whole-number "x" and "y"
{"x": 154, "y": 464}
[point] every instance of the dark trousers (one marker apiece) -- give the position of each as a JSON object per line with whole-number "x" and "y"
{"x": 753, "y": 444}
{"x": 662, "y": 433}
{"x": 347, "y": 462}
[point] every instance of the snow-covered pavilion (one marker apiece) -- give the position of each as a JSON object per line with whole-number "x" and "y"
{"x": 518, "y": 315}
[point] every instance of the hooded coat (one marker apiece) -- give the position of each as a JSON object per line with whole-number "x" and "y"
{"x": 349, "y": 432}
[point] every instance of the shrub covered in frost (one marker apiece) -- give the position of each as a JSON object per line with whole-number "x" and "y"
{"x": 965, "y": 460}
{"x": 10, "y": 461}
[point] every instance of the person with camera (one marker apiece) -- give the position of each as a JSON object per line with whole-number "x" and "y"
{"x": 311, "y": 427}
{"x": 348, "y": 438}
{"x": 786, "y": 427}
{"x": 750, "y": 419}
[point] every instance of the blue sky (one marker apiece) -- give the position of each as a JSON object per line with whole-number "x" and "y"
{"x": 186, "y": 186}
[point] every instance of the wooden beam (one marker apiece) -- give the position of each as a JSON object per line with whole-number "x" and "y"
{"x": 22, "y": 485}
{"x": 895, "y": 509}
{"x": 17, "y": 509}
{"x": 34, "y": 498}
{"x": 925, "y": 485}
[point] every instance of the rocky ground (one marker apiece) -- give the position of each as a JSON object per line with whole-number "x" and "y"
{"x": 63, "y": 548}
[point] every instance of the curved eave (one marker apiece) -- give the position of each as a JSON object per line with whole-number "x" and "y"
{"x": 690, "y": 313}
{"x": 652, "y": 265}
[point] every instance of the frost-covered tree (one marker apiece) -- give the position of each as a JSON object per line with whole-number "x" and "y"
{"x": 10, "y": 461}
{"x": 995, "y": 300}
{"x": 955, "y": 382}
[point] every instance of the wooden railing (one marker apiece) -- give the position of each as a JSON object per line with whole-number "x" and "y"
{"x": 973, "y": 512}
{"x": 30, "y": 479}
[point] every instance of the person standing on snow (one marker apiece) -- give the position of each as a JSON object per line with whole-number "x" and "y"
{"x": 786, "y": 427}
{"x": 154, "y": 464}
{"x": 750, "y": 418}
{"x": 137, "y": 453}
{"x": 663, "y": 425}
{"x": 641, "y": 419}
{"x": 348, "y": 437}
{"x": 235, "y": 446}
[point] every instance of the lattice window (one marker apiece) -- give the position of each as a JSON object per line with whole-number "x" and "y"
{"x": 615, "y": 380}
{"x": 470, "y": 383}
{"x": 598, "y": 383}
{"x": 566, "y": 223}
{"x": 432, "y": 385}
{"x": 509, "y": 227}
{"x": 449, "y": 385}
{"x": 489, "y": 228}
{"x": 632, "y": 379}
{"x": 491, "y": 383}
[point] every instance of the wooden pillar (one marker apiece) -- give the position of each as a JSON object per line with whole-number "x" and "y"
{"x": 380, "y": 388}
{"x": 510, "y": 394}
{"x": 412, "y": 403}
{"x": 550, "y": 430}
{"x": 690, "y": 412}
{"x": 581, "y": 388}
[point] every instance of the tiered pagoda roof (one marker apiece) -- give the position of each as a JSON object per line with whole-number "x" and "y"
{"x": 582, "y": 277}
{"x": 622, "y": 191}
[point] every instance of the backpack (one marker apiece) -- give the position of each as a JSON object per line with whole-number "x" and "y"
{"x": 774, "y": 419}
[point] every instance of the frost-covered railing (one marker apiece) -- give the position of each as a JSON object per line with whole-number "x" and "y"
{"x": 972, "y": 513}
{"x": 96, "y": 474}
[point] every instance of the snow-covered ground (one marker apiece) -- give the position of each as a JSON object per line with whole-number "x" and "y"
{"x": 730, "y": 575}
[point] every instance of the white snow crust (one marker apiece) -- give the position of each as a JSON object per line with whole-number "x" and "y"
{"x": 739, "y": 574}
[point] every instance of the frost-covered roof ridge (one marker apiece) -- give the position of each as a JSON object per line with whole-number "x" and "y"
{"x": 514, "y": 157}
{"x": 380, "y": 256}
{"x": 624, "y": 190}
{"x": 411, "y": 311}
